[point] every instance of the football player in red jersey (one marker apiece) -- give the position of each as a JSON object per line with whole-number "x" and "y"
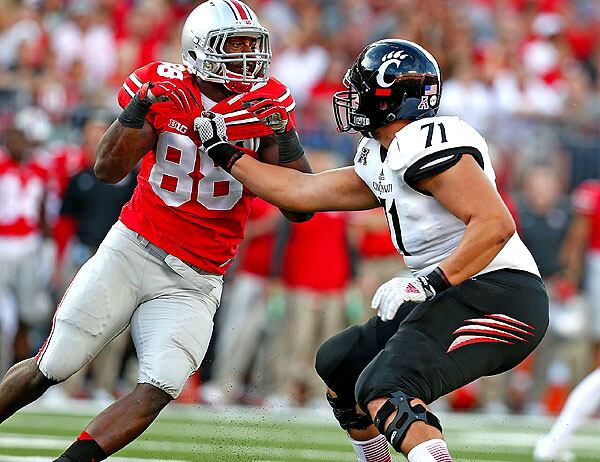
{"x": 24, "y": 185}
{"x": 160, "y": 267}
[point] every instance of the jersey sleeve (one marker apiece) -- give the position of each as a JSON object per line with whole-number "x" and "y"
{"x": 364, "y": 148}
{"x": 282, "y": 93}
{"x": 430, "y": 146}
{"x": 585, "y": 200}
{"x": 290, "y": 103}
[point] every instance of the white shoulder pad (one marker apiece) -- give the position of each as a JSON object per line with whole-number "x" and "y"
{"x": 424, "y": 144}
{"x": 365, "y": 146}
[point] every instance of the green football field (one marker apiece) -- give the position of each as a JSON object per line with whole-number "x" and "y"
{"x": 246, "y": 434}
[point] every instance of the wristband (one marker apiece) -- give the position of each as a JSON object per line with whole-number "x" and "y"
{"x": 134, "y": 114}
{"x": 289, "y": 146}
{"x": 437, "y": 280}
{"x": 225, "y": 155}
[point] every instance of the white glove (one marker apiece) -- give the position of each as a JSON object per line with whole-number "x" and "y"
{"x": 211, "y": 129}
{"x": 213, "y": 133}
{"x": 392, "y": 294}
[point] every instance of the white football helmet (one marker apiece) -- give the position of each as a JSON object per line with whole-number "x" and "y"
{"x": 35, "y": 123}
{"x": 203, "y": 38}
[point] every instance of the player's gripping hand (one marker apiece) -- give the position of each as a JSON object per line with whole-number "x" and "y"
{"x": 213, "y": 134}
{"x": 165, "y": 91}
{"x": 395, "y": 292}
{"x": 270, "y": 112}
{"x": 211, "y": 129}
{"x": 134, "y": 114}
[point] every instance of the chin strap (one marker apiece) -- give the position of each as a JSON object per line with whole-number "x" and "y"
{"x": 238, "y": 87}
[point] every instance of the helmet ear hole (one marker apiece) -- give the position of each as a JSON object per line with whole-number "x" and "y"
{"x": 192, "y": 55}
{"x": 383, "y": 106}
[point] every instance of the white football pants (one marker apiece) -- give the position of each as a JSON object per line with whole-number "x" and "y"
{"x": 169, "y": 306}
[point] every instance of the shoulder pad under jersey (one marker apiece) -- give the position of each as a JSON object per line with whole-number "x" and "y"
{"x": 431, "y": 145}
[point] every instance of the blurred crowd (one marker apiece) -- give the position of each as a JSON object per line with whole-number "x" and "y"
{"x": 526, "y": 73}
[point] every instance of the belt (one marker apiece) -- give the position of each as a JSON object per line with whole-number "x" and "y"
{"x": 161, "y": 254}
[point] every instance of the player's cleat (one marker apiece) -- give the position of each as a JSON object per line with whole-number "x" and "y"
{"x": 545, "y": 452}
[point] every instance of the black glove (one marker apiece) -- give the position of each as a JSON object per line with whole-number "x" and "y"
{"x": 213, "y": 134}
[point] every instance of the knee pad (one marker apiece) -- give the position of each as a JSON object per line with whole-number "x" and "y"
{"x": 339, "y": 362}
{"x": 171, "y": 380}
{"x": 64, "y": 352}
{"x": 334, "y": 360}
{"x": 405, "y": 416}
{"x": 344, "y": 410}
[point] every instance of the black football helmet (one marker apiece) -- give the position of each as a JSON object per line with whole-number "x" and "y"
{"x": 390, "y": 80}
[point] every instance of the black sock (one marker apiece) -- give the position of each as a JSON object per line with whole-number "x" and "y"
{"x": 85, "y": 449}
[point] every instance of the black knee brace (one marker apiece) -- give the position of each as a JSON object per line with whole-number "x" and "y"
{"x": 336, "y": 359}
{"x": 344, "y": 411}
{"x": 405, "y": 416}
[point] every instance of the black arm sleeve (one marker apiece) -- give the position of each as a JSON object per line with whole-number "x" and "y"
{"x": 134, "y": 114}
{"x": 289, "y": 146}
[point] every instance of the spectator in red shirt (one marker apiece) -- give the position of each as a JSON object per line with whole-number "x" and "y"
{"x": 581, "y": 250}
{"x": 316, "y": 271}
{"x": 242, "y": 316}
{"x": 378, "y": 258}
{"x": 581, "y": 253}
{"x": 65, "y": 164}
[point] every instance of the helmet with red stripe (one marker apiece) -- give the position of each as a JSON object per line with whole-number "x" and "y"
{"x": 390, "y": 79}
{"x": 204, "y": 37}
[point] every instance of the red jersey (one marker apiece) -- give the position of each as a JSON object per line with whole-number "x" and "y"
{"x": 376, "y": 244}
{"x": 184, "y": 203}
{"x": 65, "y": 163}
{"x": 257, "y": 255}
{"x": 317, "y": 255}
{"x": 372, "y": 234}
{"x": 61, "y": 166}
{"x": 22, "y": 188}
{"x": 586, "y": 201}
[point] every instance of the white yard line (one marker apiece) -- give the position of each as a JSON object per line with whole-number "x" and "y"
{"x": 513, "y": 439}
